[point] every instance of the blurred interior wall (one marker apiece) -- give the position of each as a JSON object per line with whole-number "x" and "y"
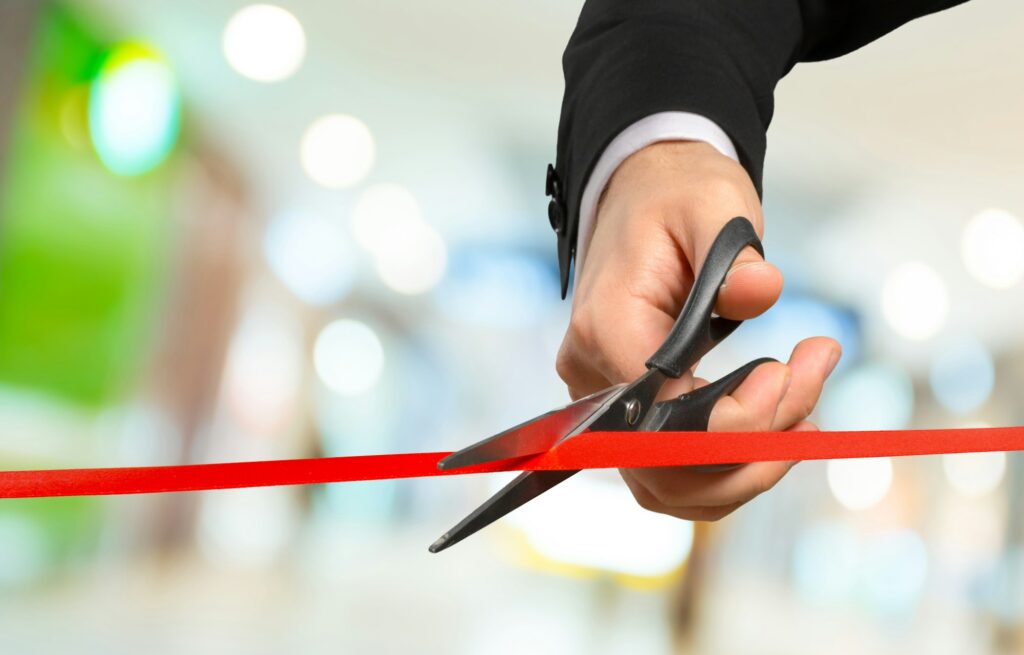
{"x": 213, "y": 231}
{"x": 16, "y": 19}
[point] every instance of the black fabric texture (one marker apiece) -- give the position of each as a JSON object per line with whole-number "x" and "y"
{"x": 722, "y": 59}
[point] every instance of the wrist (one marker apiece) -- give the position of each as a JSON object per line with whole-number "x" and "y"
{"x": 679, "y": 181}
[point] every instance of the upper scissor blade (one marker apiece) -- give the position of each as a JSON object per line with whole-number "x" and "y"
{"x": 532, "y": 437}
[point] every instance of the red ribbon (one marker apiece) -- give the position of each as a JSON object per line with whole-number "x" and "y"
{"x": 587, "y": 451}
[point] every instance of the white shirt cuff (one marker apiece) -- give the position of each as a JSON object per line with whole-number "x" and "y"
{"x": 663, "y": 126}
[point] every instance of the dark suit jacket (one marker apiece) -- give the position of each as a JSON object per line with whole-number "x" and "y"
{"x": 721, "y": 59}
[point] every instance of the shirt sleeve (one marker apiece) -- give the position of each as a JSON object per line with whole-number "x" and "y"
{"x": 662, "y": 126}
{"x": 721, "y": 59}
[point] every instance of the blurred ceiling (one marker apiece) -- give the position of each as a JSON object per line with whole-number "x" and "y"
{"x": 945, "y": 93}
{"x": 448, "y": 81}
{"x": 884, "y": 153}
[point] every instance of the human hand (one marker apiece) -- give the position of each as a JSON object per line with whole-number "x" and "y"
{"x": 661, "y": 211}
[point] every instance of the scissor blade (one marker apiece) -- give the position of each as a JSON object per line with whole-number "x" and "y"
{"x": 520, "y": 491}
{"x": 535, "y": 436}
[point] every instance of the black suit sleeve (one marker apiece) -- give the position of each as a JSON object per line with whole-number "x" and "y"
{"x": 628, "y": 59}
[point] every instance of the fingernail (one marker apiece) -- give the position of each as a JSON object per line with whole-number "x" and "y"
{"x": 743, "y": 265}
{"x": 833, "y": 359}
{"x": 736, "y": 268}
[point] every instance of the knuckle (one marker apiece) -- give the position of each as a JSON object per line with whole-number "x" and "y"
{"x": 579, "y": 339}
{"x": 653, "y": 209}
{"x": 646, "y": 500}
{"x": 722, "y": 512}
{"x": 731, "y": 193}
{"x": 704, "y": 514}
{"x": 670, "y": 493}
{"x": 804, "y": 407}
{"x": 581, "y": 332}
{"x": 763, "y": 483}
{"x": 565, "y": 365}
{"x": 662, "y": 493}
{"x": 718, "y": 188}
{"x": 715, "y": 513}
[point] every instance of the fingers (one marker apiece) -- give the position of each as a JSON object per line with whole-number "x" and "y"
{"x": 752, "y": 407}
{"x": 752, "y": 285}
{"x": 609, "y": 342}
{"x": 812, "y": 361}
{"x": 736, "y": 488}
{"x": 804, "y": 426}
{"x": 773, "y": 397}
{"x": 657, "y": 219}
{"x": 647, "y": 500}
{"x": 684, "y": 488}
{"x": 579, "y": 376}
{"x": 750, "y": 288}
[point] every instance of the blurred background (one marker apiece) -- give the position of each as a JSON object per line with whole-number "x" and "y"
{"x": 234, "y": 232}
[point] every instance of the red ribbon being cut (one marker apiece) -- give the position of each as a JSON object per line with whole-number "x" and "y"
{"x": 586, "y": 451}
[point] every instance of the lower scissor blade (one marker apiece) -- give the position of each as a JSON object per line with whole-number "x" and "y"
{"x": 533, "y": 437}
{"x": 523, "y": 489}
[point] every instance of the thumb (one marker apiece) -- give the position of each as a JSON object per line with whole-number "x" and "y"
{"x": 752, "y": 284}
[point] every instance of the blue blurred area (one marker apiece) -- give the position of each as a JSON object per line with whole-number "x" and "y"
{"x": 798, "y": 316}
{"x": 499, "y": 287}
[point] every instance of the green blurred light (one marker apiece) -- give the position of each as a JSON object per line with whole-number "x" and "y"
{"x": 83, "y": 252}
{"x": 134, "y": 111}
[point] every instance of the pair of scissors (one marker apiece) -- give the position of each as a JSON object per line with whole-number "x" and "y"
{"x": 623, "y": 407}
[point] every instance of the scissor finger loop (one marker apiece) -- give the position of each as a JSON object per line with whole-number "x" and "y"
{"x": 622, "y": 408}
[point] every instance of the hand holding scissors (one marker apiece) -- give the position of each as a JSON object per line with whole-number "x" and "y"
{"x": 625, "y": 407}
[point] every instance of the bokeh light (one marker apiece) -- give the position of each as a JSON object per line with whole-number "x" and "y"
{"x": 860, "y": 483}
{"x": 967, "y": 537}
{"x": 190, "y": 314}
{"x": 914, "y": 301}
{"x": 413, "y": 261}
{"x": 348, "y": 357}
{"x": 264, "y": 370}
{"x": 264, "y": 43}
{"x": 962, "y": 375}
{"x": 74, "y": 116}
{"x": 974, "y": 474}
{"x": 794, "y": 317}
{"x": 337, "y": 151}
{"x": 1003, "y": 584}
{"x": 243, "y": 528}
{"x": 595, "y": 523}
{"x": 874, "y": 396}
{"x": 498, "y": 287}
{"x": 895, "y": 571}
{"x": 22, "y": 550}
{"x": 826, "y": 558}
{"x": 409, "y": 255}
{"x": 382, "y": 213}
{"x": 134, "y": 110}
{"x": 310, "y": 254}
{"x": 992, "y": 248}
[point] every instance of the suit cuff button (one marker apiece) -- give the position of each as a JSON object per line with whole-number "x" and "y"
{"x": 556, "y": 208}
{"x": 556, "y": 216}
{"x": 552, "y": 185}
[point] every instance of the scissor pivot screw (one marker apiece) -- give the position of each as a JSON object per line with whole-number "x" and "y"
{"x": 632, "y": 411}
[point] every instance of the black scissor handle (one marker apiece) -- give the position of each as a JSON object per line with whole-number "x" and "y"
{"x": 698, "y": 330}
{"x": 691, "y": 411}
